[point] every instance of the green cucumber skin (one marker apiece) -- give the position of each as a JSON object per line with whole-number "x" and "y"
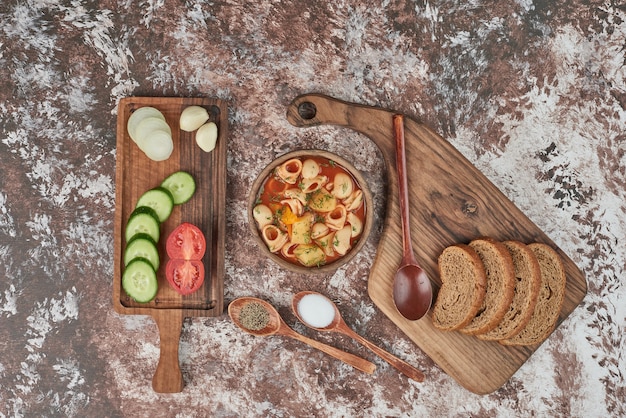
{"x": 142, "y": 246}
{"x": 135, "y": 267}
{"x": 159, "y": 199}
{"x": 181, "y": 186}
{"x": 141, "y": 222}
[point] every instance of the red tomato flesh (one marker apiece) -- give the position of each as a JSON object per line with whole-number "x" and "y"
{"x": 185, "y": 276}
{"x": 186, "y": 242}
{"x": 185, "y": 246}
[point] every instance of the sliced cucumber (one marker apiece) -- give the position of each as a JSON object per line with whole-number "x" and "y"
{"x": 142, "y": 246}
{"x": 181, "y": 185}
{"x": 140, "y": 281}
{"x": 143, "y": 220}
{"x": 158, "y": 199}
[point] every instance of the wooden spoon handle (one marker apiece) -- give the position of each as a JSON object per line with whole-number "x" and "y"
{"x": 399, "y": 364}
{"x": 351, "y": 359}
{"x": 403, "y": 187}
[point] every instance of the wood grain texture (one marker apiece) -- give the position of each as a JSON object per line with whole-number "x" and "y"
{"x": 135, "y": 174}
{"x": 451, "y": 202}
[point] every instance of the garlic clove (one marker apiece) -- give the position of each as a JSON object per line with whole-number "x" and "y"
{"x": 193, "y": 117}
{"x": 206, "y": 136}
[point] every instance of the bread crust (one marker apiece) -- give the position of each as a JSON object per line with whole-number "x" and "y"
{"x": 527, "y": 285}
{"x": 500, "y": 285}
{"x": 550, "y": 300}
{"x": 451, "y": 291}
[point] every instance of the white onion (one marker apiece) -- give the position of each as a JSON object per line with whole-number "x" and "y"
{"x": 138, "y": 116}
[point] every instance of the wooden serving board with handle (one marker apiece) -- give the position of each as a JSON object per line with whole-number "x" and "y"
{"x": 135, "y": 174}
{"x": 451, "y": 201}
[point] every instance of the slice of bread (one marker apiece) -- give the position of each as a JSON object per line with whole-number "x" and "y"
{"x": 500, "y": 285}
{"x": 550, "y": 300}
{"x": 527, "y": 284}
{"x": 462, "y": 289}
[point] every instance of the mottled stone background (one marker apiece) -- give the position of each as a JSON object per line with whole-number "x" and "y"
{"x": 532, "y": 92}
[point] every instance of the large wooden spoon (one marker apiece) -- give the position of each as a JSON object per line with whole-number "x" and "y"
{"x": 339, "y": 325}
{"x": 277, "y": 326}
{"x": 412, "y": 290}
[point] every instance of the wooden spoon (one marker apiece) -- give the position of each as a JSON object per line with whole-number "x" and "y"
{"x": 412, "y": 290}
{"x": 277, "y": 326}
{"x": 339, "y": 325}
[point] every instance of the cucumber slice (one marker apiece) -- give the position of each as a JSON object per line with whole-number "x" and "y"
{"x": 140, "y": 281}
{"x": 142, "y": 246}
{"x": 158, "y": 199}
{"x": 181, "y": 185}
{"x": 143, "y": 220}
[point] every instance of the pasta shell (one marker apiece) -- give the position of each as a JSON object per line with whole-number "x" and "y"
{"x": 262, "y": 215}
{"x": 295, "y": 206}
{"x": 313, "y": 184}
{"x": 319, "y": 230}
{"x": 274, "y": 238}
{"x": 287, "y": 250}
{"x": 354, "y": 201}
{"x": 342, "y": 186}
{"x": 355, "y": 223}
{"x": 341, "y": 242}
{"x": 336, "y": 218}
{"x": 296, "y": 193}
{"x": 326, "y": 244}
{"x": 310, "y": 168}
{"x": 290, "y": 170}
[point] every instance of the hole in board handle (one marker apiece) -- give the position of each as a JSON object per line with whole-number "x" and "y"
{"x": 307, "y": 110}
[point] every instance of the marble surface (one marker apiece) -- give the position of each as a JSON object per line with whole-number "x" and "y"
{"x": 532, "y": 92}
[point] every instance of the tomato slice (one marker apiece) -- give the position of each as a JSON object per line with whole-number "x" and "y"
{"x": 185, "y": 276}
{"x": 186, "y": 242}
{"x": 185, "y": 246}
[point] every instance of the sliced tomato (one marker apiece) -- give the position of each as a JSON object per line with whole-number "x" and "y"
{"x": 185, "y": 246}
{"x": 186, "y": 242}
{"x": 185, "y": 276}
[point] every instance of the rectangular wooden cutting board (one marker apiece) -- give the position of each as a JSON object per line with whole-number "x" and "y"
{"x": 451, "y": 201}
{"x": 135, "y": 174}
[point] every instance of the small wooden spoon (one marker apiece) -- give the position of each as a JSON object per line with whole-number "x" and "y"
{"x": 339, "y": 325}
{"x": 412, "y": 290}
{"x": 276, "y": 326}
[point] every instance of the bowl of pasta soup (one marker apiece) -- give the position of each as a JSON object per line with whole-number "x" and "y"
{"x": 310, "y": 211}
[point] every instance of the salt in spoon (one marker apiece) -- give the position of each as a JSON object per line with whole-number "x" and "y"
{"x": 337, "y": 324}
{"x": 277, "y": 326}
{"x": 412, "y": 290}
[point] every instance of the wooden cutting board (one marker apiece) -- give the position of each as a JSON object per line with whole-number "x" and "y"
{"x": 451, "y": 201}
{"x": 135, "y": 173}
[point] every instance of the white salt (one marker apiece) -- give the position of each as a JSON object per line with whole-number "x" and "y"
{"x": 316, "y": 310}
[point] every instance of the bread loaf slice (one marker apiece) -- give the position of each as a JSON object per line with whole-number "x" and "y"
{"x": 527, "y": 284}
{"x": 500, "y": 285}
{"x": 550, "y": 299}
{"x": 462, "y": 289}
